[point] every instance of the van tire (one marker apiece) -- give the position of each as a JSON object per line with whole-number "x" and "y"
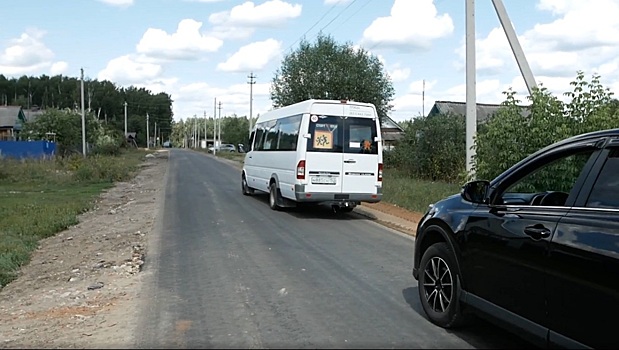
{"x": 245, "y": 187}
{"x": 273, "y": 196}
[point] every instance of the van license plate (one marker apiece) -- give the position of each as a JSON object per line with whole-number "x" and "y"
{"x": 323, "y": 180}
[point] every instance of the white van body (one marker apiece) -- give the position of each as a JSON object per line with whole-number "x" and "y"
{"x": 316, "y": 151}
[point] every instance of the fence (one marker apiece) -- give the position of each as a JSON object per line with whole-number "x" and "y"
{"x": 27, "y": 149}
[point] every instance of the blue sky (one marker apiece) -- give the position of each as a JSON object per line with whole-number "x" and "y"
{"x": 198, "y": 50}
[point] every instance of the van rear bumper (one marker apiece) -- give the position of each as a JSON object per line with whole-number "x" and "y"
{"x": 316, "y": 197}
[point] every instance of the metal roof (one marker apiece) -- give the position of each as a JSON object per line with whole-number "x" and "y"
{"x": 484, "y": 110}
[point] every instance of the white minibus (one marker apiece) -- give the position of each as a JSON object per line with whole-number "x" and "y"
{"x": 316, "y": 151}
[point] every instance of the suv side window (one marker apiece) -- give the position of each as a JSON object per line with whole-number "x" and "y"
{"x": 605, "y": 192}
{"x": 550, "y": 183}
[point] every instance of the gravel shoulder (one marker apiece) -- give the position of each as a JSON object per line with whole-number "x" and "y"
{"x": 79, "y": 289}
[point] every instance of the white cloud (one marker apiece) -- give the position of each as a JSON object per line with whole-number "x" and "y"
{"x": 121, "y": 3}
{"x": 186, "y": 44}
{"x": 584, "y": 36}
{"x": 412, "y": 25}
{"x": 197, "y": 98}
{"x": 26, "y": 54}
{"x": 130, "y": 69}
{"x": 58, "y": 68}
{"x": 399, "y": 74}
{"x": 252, "y": 57}
{"x": 268, "y": 14}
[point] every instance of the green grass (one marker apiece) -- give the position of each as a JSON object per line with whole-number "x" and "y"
{"x": 398, "y": 188}
{"x": 414, "y": 194}
{"x": 39, "y": 198}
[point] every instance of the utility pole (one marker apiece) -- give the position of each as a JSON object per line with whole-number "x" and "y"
{"x": 125, "y": 120}
{"x": 215, "y": 127}
{"x": 83, "y": 115}
{"x": 471, "y": 95}
{"x": 205, "y": 132}
{"x": 147, "y": 131}
{"x": 219, "y": 129}
{"x": 155, "y": 136}
{"x": 251, "y": 83}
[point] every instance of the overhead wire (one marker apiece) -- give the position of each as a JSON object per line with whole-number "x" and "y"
{"x": 313, "y": 25}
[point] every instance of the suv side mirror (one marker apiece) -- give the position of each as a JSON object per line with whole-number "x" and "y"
{"x": 475, "y": 191}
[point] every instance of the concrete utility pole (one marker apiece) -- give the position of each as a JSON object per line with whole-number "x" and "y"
{"x": 205, "y": 132}
{"x": 219, "y": 128}
{"x": 155, "y": 136}
{"x": 512, "y": 38}
{"x": 147, "y": 132}
{"x": 83, "y": 115}
{"x": 471, "y": 103}
{"x": 215, "y": 127}
{"x": 251, "y": 83}
{"x": 125, "y": 120}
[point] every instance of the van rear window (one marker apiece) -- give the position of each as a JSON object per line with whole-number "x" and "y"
{"x": 337, "y": 135}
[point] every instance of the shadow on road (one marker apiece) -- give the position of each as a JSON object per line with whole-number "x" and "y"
{"x": 306, "y": 211}
{"x": 478, "y": 332}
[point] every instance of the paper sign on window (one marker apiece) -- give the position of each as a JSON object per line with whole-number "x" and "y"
{"x": 323, "y": 139}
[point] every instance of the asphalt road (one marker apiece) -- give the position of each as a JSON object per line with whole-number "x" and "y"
{"x": 224, "y": 270}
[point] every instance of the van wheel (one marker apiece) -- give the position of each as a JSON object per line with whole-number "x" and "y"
{"x": 245, "y": 187}
{"x": 273, "y": 197}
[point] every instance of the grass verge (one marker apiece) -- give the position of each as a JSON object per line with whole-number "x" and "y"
{"x": 39, "y": 198}
{"x": 414, "y": 194}
{"x": 398, "y": 188}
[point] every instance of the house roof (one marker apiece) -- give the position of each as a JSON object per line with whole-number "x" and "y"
{"x": 484, "y": 110}
{"x": 388, "y": 123}
{"x": 9, "y": 116}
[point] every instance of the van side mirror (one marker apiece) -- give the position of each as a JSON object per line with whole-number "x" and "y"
{"x": 475, "y": 191}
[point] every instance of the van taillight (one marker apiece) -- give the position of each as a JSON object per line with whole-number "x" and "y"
{"x": 301, "y": 170}
{"x": 380, "y": 171}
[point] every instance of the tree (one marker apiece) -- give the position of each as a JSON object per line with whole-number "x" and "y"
{"x": 509, "y": 137}
{"x": 327, "y": 70}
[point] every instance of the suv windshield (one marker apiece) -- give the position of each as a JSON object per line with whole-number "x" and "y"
{"x": 338, "y": 134}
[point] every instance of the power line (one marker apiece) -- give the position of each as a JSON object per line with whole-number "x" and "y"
{"x": 313, "y": 25}
{"x": 338, "y": 15}
{"x": 351, "y": 16}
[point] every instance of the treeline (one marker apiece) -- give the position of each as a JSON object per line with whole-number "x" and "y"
{"x": 434, "y": 147}
{"x": 103, "y": 100}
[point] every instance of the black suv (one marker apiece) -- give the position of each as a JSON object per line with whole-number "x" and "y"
{"x": 535, "y": 250}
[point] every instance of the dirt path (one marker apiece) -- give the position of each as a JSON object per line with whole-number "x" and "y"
{"x": 78, "y": 290}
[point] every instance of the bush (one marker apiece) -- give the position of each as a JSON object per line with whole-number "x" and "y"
{"x": 509, "y": 137}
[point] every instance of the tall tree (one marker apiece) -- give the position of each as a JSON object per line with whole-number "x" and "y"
{"x": 328, "y": 70}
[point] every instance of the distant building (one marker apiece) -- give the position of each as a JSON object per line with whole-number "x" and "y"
{"x": 12, "y": 119}
{"x": 391, "y": 132}
{"x": 484, "y": 110}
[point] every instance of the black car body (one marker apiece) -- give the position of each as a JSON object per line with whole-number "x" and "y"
{"x": 535, "y": 250}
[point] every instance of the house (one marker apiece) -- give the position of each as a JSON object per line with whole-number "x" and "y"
{"x": 484, "y": 110}
{"x": 12, "y": 119}
{"x": 391, "y": 132}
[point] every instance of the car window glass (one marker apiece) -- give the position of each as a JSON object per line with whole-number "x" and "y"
{"x": 605, "y": 193}
{"x": 549, "y": 184}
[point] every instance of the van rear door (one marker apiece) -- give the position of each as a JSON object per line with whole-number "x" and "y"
{"x": 360, "y": 150}
{"x": 343, "y": 152}
{"x": 324, "y": 157}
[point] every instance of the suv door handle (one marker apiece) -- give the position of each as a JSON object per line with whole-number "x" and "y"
{"x": 350, "y": 161}
{"x": 537, "y": 231}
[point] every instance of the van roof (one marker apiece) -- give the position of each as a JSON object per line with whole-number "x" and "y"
{"x": 303, "y": 107}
